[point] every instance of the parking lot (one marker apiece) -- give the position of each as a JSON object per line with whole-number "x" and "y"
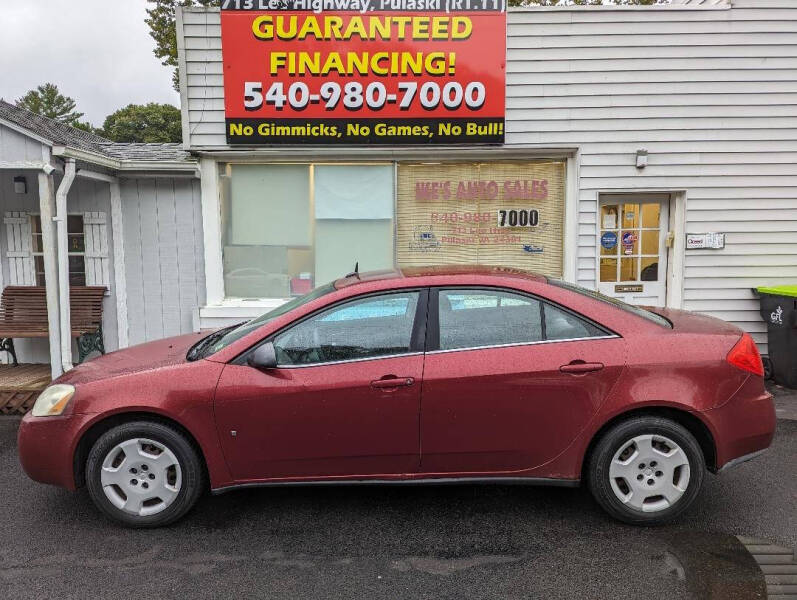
{"x": 396, "y": 542}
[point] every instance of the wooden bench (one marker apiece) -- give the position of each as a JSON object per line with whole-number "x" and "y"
{"x": 23, "y": 314}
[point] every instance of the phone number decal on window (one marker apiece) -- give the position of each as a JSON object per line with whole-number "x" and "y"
{"x": 461, "y": 217}
{"x": 518, "y": 218}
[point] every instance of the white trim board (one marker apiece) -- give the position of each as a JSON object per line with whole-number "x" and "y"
{"x": 211, "y": 228}
{"x": 120, "y": 275}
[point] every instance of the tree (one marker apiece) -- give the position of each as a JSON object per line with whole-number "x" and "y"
{"x": 86, "y": 126}
{"x": 163, "y": 29}
{"x": 154, "y": 123}
{"x": 48, "y": 101}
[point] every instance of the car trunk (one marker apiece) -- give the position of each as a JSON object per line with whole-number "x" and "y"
{"x": 684, "y": 321}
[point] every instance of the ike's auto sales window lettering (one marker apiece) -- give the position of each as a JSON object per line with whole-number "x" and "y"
{"x": 364, "y": 71}
{"x": 494, "y": 213}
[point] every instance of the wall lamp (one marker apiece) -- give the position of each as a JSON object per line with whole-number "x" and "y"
{"x": 641, "y": 158}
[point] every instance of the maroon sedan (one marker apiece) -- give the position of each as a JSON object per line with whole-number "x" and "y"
{"x": 428, "y": 375}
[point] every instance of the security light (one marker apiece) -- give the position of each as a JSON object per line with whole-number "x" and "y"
{"x": 641, "y": 158}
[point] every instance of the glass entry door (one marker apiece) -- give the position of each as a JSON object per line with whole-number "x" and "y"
{"x": 632, "y": 247}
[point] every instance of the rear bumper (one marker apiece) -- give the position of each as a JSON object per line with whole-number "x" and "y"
{"x": 47, "y": 448}
{"x": 743, "y": 427}
{"x": 742, "y": 459}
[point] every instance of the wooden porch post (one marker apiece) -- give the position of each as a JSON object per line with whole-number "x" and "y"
{"x": 47, "y": 209}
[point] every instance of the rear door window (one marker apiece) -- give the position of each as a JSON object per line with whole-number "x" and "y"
{"x": 563, "y": 325}
{"x": 476, "y": 318}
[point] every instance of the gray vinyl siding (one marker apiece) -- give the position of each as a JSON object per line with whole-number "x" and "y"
{"x": 204, "y": 95}
{"x": 164, "y": 265}
{"x": 710, "y": 91}
{"x": 16, "y": 147}
{"x": 712, "y": 96}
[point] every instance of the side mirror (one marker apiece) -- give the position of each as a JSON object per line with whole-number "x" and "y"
{"x": 263, "y": 358}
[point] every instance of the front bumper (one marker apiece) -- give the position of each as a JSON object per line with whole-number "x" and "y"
{"x": 47, "y": 447}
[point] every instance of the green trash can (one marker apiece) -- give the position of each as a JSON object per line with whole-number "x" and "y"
{"x": 779, "y": 311}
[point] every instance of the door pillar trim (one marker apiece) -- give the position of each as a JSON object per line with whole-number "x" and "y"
{"x": 676, "y": 255}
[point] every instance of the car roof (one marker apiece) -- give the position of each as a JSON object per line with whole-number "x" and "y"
{"x": 453, "y": 271}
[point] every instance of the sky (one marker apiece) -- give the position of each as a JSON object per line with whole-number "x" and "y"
{"x": 99, "y": 52}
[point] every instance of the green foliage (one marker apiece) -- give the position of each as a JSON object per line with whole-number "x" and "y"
{"x": 86, "y": 126}
{"x": 154, "y": 123}
{"x": 162, "y": 28}
{"x": 48, "y": 101}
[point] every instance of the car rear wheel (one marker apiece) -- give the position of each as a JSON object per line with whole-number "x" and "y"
{"x": 646, "y": 470}
{"x": 144, "y": 474}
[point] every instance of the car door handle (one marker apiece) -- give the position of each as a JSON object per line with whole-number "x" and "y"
{"x": 392, "y": 382}
{"x": 578, "y": 367}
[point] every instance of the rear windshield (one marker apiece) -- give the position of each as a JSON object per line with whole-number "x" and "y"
{"x": 638, "y": 311}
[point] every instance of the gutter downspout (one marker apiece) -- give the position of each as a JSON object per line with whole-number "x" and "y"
{"x": 63, "y": 263}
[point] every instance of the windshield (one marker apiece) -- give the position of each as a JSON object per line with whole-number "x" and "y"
{"x": 222, "y": 338}
{"x": 638, "y": 311}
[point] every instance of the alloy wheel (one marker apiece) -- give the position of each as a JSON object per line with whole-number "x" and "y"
{"x": 649, "y": 473}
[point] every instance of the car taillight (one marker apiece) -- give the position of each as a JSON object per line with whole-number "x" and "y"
{"x": 744, "y": 355}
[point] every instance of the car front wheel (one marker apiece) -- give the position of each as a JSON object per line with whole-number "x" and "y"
{"x": 144, "y": 474}
{"x": 646, "y": 470}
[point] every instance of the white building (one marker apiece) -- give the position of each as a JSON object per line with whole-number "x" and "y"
{"x": 133, "y": 222}
{"x": 657, "y": 122}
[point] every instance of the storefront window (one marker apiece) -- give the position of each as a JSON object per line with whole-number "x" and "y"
{"x": 498, "y": 213}
{"x": 288, "y": 228}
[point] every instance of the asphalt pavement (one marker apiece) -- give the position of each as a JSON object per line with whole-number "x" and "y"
{"x": 455, "y": 542}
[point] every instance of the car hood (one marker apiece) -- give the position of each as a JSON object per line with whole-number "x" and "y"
{"x": 144, "y": 357}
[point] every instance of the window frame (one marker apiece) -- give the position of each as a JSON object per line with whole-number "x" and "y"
{"x": 34, "y": 254}
{"x": 418, "y": 334}
{"x": 433, "y": 319}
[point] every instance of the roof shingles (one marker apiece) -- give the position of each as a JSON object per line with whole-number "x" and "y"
{"x": 59, "y": 133}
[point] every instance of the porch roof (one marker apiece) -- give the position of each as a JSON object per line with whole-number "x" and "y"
{"x": 54, "y": 133}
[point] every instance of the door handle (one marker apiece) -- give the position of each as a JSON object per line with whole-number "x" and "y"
{"x": 392, "y": 382}
{"x": 578, "y": 367}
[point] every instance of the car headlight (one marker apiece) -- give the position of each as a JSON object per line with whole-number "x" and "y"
{"x": 53, "y": 400}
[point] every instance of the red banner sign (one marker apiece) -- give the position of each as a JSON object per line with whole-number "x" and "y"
{"x": 364, "y": 71}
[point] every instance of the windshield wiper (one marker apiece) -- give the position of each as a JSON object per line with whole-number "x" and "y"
{"x": 196, "y": 351}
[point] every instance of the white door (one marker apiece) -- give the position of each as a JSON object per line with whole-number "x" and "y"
{"x": 632, "y": 247}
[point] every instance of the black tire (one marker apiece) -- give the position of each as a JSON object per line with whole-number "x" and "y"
{"x": 190, "y": 463}
{"x": 614, "y": 439}
{"x": 768, "y": 371}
